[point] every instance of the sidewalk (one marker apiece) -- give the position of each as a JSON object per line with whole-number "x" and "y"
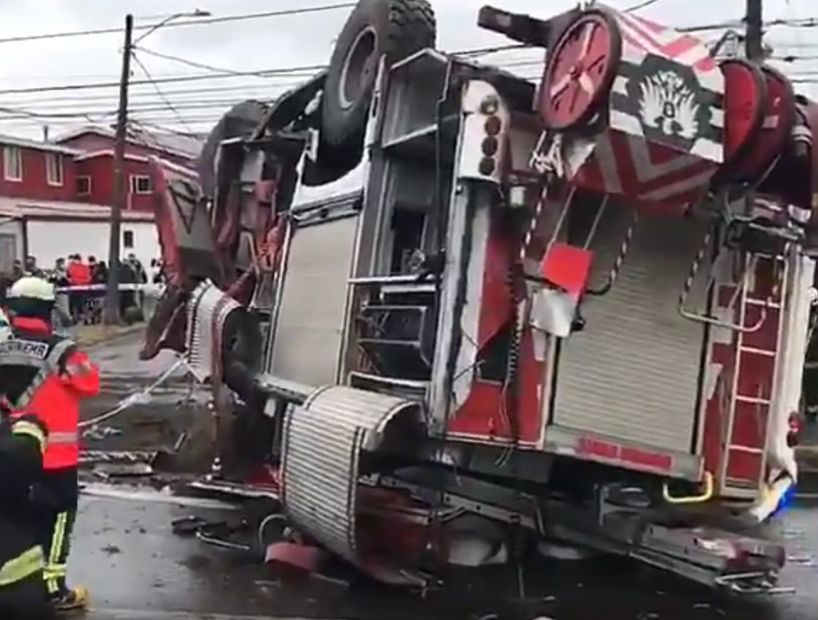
{"x": 91, "y": 335}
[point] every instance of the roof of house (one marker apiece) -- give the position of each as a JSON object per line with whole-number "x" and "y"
{"x": 59, "y": 210}
{"x": 6, "y": 140}
{"x": 109, "y": 153}
{"x": 167, "y": 142}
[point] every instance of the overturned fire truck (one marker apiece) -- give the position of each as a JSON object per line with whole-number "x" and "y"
{"x": 549, "y": 311}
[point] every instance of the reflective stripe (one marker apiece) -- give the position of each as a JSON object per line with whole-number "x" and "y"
{"x": 55, "y": 439}
{"x": 24, "y": 565}
{"x": 59, "y": 350}
{"x": 30, "y": 429}
{"x": 52, "y": 363}
{"x": 55, "y": 571}
{"x": 20, "y": 359}
{"x": 52, "y": 570}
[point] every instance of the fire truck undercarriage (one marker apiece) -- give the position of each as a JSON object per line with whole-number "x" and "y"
{"x": 543, "y": 314}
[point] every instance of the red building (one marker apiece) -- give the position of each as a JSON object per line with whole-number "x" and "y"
{"x": 37, "y": 170}
{"x": 75, "y": 174}
{"x": 94, "y": 162}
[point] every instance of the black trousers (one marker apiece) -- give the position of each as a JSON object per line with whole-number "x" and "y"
{"x": 26, "y": 600}
{"x": 57, "y": 513}
{"x": 55, "y": 539}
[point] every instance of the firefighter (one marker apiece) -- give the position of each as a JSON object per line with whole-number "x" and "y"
{"x": 22, "y": 589}
{"x": 44, "y": 374}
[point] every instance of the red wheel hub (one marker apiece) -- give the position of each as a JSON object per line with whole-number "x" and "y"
{"x": 580, "y": 70}
{"x": 744, "y": 97}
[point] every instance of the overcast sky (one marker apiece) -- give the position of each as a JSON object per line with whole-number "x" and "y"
{"x": 261, "y": 44}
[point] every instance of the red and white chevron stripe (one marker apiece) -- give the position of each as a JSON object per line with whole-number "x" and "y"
{"x": 654, "y": 38}
{"x": 628, "y": 166}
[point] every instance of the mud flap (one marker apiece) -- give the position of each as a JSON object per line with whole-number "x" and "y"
{"x": 324, "y": 440}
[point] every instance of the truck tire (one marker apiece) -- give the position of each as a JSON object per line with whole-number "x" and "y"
{"x": 394, "y": 28}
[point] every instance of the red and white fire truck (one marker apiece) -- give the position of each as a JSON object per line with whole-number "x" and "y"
{"x": 570, "y": 311}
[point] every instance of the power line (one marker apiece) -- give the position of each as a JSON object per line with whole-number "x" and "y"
{"x": 640, "y": 6}
{"x": 196, "y": 64}
{"x": 295, "y": 71}
{"x": 180, "y": 23}
{"x": 156, "y": 87}
{"x": 291, "y": 71}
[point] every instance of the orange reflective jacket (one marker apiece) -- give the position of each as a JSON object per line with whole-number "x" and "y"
{"x": 48, "y": 377}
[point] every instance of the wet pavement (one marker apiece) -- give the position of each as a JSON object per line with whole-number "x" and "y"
{"x": 136, "y": 568}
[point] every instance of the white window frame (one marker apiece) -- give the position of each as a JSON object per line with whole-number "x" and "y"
{"x": 86, "y": 177}
{"x": 54, "y": 164}
{"x": 15, "y": 174}
{"x": 136, "y": 179}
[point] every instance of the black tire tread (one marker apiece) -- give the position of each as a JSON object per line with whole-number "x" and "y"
{"x": 411, "y": 27}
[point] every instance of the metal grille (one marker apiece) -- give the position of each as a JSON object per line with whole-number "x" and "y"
{"x": 323, "y": 441}
{"x": 310, "y": 327}
{"x": 633, "y": 373}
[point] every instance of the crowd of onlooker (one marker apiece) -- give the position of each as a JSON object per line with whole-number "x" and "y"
{"x": 87, "y": 276}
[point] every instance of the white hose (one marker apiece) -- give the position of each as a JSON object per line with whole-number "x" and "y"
{"x": 133, "y": 399}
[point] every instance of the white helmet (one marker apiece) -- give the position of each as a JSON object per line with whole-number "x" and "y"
{"x": 32, "y": 288}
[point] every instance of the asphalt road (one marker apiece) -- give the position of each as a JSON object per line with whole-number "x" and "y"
{"x": 136, "y": 568}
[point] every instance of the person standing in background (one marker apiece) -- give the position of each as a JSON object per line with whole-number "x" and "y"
{"x": 31, "y": 268}
{"x": 79, "y": 275}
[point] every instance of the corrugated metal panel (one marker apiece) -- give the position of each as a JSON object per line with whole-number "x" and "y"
{"x": 310, "y": 326}
{"x": 633, "y": 373}
{"x": 323, "y": 441}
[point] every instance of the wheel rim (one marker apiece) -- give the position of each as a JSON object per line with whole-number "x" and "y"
{"x": 358, "y": 67}
{"x": 580, "y": 71}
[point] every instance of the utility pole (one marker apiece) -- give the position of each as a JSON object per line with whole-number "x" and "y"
{"x": 755, "y": 30}
{"x": 120, "y": 188}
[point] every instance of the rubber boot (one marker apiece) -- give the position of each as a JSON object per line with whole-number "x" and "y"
{"x": 72, "y": 600}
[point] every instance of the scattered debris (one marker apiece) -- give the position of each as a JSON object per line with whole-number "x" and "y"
{"x": 123, "y": 470}
{"x": 164, "y": 497}
{"x": 294, "y": 557}
{"x": 102, "y": 432}
{"x": 801, "y": 560}
{"x": 111, "y": 550}
{"x": 335, "y": 581}
{"x": 89, "y": 457}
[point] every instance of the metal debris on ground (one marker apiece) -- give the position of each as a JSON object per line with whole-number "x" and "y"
{"x": 162, "y": 497}
{"x": 102, "y": 432}
{"x": 89, "y": 457}
{"x": 123, "y": 470}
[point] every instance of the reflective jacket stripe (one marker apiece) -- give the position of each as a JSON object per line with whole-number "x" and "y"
{"x": 62, "y": 438}
{"x": 24, "y": 565}
{"x": 51, "y": 365}
{"x": 18, "y": 359}
{"x": 31, "y": 430}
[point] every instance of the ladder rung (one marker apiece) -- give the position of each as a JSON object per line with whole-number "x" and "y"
{"x": 753, "y": 399}
{"x": 754, "y": 351}
{"x": 763, "y": 302}
{"x": 747, "y": 449}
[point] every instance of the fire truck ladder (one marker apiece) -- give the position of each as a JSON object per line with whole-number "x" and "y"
{"x": 743, "y": 405}
{"x": 740, "y": 405}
